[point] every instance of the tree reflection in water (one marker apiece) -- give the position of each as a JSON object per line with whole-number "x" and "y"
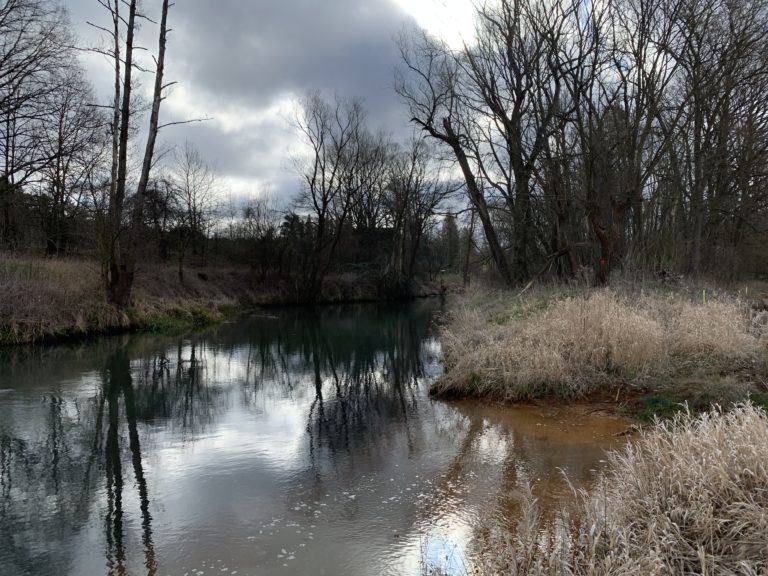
{"x": 363, "y": 365}
{"x": 54, "y": 459}
{"x": 173, "y": 388}
{"x": 48, "y": 476}
{"x": 72, "y": 467}
{"x": 118, "y": 382}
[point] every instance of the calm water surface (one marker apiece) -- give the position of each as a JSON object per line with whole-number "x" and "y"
{"x": 298, "y": 442}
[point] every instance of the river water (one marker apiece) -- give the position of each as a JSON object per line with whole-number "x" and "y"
{"x": 297, "y": 441}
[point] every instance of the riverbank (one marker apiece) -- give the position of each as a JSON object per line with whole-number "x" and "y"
{"x": 46, "y": 300}
{"x": 645, "y": 350}
{"x": 686, "y": 497}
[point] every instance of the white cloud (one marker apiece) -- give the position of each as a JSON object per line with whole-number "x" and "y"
{"x": 451, "y": 20}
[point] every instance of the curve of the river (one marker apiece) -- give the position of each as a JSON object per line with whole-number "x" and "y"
{"x": 297, "y": 441}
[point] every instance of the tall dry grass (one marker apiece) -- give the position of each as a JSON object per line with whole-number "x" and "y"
{"x": 50, "y": 298}
{"x": 506, "y": 348}
{"x": 688, "y": 497}
{"x": 40, "y": 298}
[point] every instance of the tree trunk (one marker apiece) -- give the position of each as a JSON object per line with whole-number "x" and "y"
{"x": 478, "y": 201}
{"x": 120, "y": 269}
{"x": 122, "y": 252}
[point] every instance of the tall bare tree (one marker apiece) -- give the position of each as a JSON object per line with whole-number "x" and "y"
{"x": 34, "y": 51}
{"x": 119, "y": 240}
{"x": 417, "y": 186}
{"x": 430, "y": 85}
{"x": 72, "y": 137}
{"x": 335, "y": 134}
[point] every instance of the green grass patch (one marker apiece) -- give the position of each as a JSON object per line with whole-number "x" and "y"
{"x": 229, "y": 310}
{"x": 474, "y": 383}
{"x": 522, "y": 310}
{"x": 8, "y": 338}
{"x": 696, "y": 395}
{"x": 166, "y": 324}
{"x": 204, "y": 317}
{"x": 759, "y": 399}
{"x": 653, "y": 407}
{"x": 177, "y": 320}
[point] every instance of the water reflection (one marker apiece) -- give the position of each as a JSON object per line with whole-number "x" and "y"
{"x": 174, "y": 389}
{"x": 118, "y": 383}
{"x": 297, "y": 442}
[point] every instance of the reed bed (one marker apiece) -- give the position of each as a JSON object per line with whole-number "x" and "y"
{"x": 507, "y": 348}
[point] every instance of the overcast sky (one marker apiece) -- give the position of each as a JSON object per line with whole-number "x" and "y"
{"x": 245, "y": 62}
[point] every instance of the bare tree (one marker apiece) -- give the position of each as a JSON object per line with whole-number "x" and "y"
{"x": 430, "y": 86}
{"x": 259, "y": 229}
{"x": 119, "y": 240}
{"x": 418, "y": 185}
{"x": 34, "y": 51}
{"x": 36, "y": 47}
{"x": 335, "y": 136}
{"x": 194, "y": 186}
{"x": 72, "y": 138}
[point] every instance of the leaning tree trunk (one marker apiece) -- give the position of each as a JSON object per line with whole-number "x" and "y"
{"x": 480, "y": 205}
{"x": 149, "y": 151}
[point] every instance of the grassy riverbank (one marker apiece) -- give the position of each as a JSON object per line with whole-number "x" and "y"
{"x": 647, "y": 350}
{"x": 686, "y": 497}
{"x": 45, "y": 299}
{"x": 56, "y": 299}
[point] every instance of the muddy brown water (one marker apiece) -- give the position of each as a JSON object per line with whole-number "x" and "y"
{"x": 298, "y": 442}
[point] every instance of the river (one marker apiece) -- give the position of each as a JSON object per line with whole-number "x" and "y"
{"x": 295, "y": 441}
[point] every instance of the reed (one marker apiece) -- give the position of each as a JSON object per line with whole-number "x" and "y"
{"x": 572, "y": 344}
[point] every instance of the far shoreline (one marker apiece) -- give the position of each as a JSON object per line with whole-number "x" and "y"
{"x": 58, "y": 301}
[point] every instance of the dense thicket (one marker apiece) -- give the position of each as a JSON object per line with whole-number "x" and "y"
{"x": 606, "y": 134}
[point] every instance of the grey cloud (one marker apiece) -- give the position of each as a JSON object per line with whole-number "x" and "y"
{"x": 253, "y": 51}
{"x": 249, "y": 53}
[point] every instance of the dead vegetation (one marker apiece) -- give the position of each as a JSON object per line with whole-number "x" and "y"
{"x": 47, "y": 299}
{"x": 572, "y": 344}
{"x": 687, "y": 497}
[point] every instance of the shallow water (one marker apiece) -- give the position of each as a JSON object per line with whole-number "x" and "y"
{"x": 294, "y": 442}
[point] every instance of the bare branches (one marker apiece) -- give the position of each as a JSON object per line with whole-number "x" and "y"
{"x": 182, "y": 122}
{"x": 627, "y": 110}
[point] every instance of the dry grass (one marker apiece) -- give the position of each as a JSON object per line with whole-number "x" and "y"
{"x": 46, "y": 298}
{"x": 41, "y": 298}
{"x": 506, "y": 348}
{"x": 688, "y": 497}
